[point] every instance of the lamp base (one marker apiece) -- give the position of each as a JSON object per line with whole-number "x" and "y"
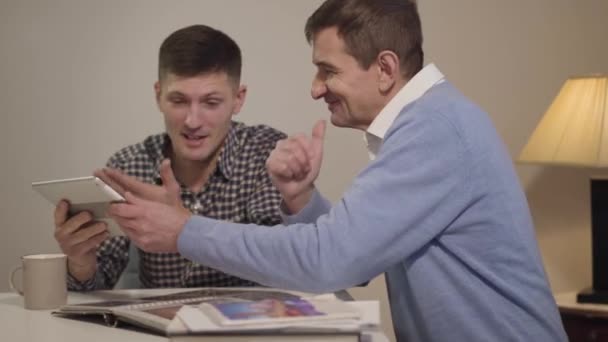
{"x": 592, "y": 296}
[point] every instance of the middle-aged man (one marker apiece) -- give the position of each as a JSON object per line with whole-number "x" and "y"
{"x": 439, "y": 210}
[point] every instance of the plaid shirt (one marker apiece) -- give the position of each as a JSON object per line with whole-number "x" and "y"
{"x": 239, "y": 190}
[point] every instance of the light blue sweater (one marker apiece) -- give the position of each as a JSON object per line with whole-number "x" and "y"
{"x": 440, "y": 211}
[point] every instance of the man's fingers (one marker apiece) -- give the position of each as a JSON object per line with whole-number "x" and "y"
{"x": 73, "y": 224}
{"x": 287, "y": 166}
{"x": 297, "y": 152}
{"x": 169, "y": 181}
{"x": 61, "y": 212}
{"x": 99, "y": 238}
{"x": 87, "y": 232}
{"x": 91, "y": 244}
{"x": 132, "y": 198}
{"x": 291, "y": 154}
{"x": 318, "y": 138}
{"x": 279, "y": 169}
{"x": 318, "y": 131}
{"x": 126, "y": 223}
{"x": 286, "y": 172}
{"x": 125, "y": 210}
{"x": 125, "y": 182}
{"x": 105, "y": 176}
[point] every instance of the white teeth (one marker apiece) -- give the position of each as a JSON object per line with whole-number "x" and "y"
{"x": 192, "y": 137}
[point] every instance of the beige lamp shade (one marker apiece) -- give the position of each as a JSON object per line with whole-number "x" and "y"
{"x": 574, "y": 130}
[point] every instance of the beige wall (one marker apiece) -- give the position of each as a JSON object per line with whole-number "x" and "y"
{"x": 77, "y": 85}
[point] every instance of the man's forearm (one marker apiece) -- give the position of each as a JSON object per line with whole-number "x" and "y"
{"x": 295, "y": 204}
{"x": 314, "y": 207}
{"x": 81, "y": 272}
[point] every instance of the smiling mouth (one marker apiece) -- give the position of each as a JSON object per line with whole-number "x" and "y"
{"x": 332, "y": 105}
{"x": 193, "y": 137}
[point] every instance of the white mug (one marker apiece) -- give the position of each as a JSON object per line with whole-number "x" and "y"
{"x": 44, "y": 281}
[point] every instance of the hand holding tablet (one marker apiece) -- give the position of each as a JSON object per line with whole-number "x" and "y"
{"x": 84, "y": 194}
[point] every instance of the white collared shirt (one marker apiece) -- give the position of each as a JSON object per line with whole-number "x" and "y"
{"x": 411, "y": 91}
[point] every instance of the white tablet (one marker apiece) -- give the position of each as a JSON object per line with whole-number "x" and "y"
{"x": 84, "y": 194}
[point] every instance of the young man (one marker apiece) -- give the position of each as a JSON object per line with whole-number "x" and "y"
{"x": 219, "y": 166}
{"x": 439, "y": 210}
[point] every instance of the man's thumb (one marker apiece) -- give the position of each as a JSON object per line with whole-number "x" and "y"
{"x": 166, "y": 174}
{"x": 318, "y": 131}
{"x": 318, "y": 138}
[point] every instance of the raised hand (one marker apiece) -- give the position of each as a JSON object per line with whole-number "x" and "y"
{"x": 294, "y": 165}
{"x": 152, "y": 226}
{"x": 168, "y": 193}
{"x": 145, "y": 206}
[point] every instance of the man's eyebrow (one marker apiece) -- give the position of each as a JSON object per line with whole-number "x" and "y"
{"x": 179, "y": 93}
{"x": 175, "y": 93}
{"x": 212, "y": 93}
{"x": 323, "y": 64}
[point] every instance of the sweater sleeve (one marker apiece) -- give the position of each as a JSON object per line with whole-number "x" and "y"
{"x": 405, "y": 198}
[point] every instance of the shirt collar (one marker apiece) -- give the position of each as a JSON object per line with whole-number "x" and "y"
{"x": 228, "y": 153}
{"x": 411, "y": 91}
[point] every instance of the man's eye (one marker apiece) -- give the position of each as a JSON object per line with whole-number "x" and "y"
{"x": 329, "y": 72}
{"x": 212, "y": 103}
{"x": 177, "y": 101}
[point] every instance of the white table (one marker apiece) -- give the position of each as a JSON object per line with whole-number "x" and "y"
{"x": 18, "y": 324}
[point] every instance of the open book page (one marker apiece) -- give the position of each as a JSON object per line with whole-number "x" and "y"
{"x": 247, "y": 312}
{"x": 255, "y": 312}
{"x": 195, "y": 320}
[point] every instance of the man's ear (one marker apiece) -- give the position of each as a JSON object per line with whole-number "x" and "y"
{"x": 157, "y": 92}
{"x": 241, "y": 94}
{"x": 389, "y": 70}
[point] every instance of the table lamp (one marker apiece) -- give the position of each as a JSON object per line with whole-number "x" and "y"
{"x": 574, "y": 132}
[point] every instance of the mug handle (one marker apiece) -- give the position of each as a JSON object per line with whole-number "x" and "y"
{"x": 11, "y": 280}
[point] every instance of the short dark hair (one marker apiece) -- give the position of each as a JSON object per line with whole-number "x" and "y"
{"x": 371, "y": 26}
{"x": 198, "y": 49}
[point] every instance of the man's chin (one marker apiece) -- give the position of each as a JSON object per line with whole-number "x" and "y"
{"x": 190, "y": 156}
{"x": 336, "y": 121}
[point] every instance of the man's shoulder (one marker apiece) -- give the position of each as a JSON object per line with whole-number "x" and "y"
{"x": 446, "y": 100}
{"x": 146, "y": 151}
{"x": 258, "y": 136}
{"x": 446, "y": 119}
{"x": 443, "y": 105}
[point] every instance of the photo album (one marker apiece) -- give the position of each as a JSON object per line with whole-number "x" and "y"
{"x": 232, "y": 314}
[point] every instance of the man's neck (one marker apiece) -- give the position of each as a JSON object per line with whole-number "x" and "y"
{"x": 385, "y": 99}
{"x": 194, "y": 174}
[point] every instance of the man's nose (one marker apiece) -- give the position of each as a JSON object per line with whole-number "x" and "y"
{"x": 318, "y": 89}
{"x": 193, "y": 117}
